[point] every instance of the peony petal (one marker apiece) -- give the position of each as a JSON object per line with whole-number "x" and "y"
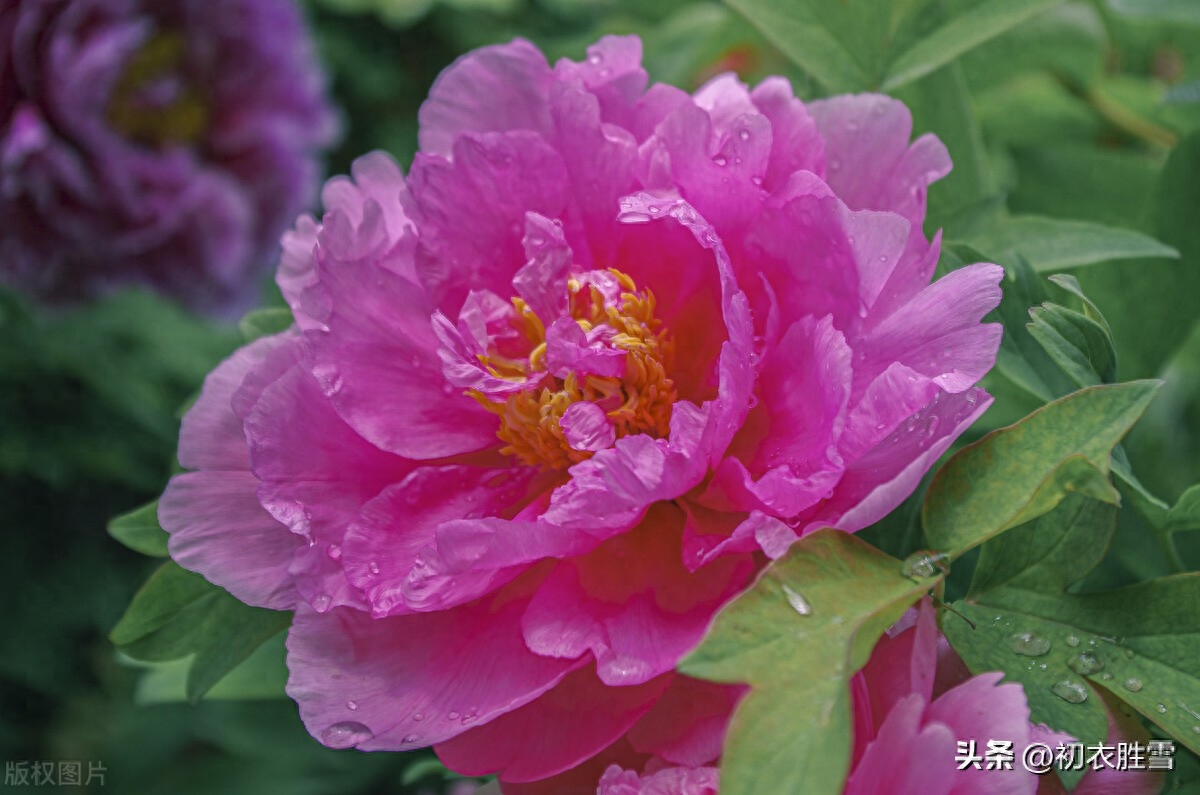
{"x": 631, "y": 602}
{"x": 586, "y": 427}
{"x": 383, "y": 549}
{"x": 906, "y": 758}
{"x": 471, "y": 211}
{"x": 938, "y": 333}
{"x": 219, "y": 529}
{"x": 542, "y": 282}
{"x": 492, "y": 89}
{"x": 575, "y": 720}
{"x": 796, "y": 145}
{"x": 982, "y": 709}
{"x": 211, "y": 436}
{"x": 687, "y": 725}
{"x": 409, "y": 681}
{"x": 890, "y": 471}
{"x": 869, "y": 161}
{"x": 378, "y": 365}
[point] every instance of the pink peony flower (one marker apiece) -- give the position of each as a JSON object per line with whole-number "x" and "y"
{"x": 555, "y": 396}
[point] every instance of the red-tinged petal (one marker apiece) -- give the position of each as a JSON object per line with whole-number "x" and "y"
{"x": 631, "y": 602}
{"x": 577, "y": 719}
{"x": 409, "y": 681}
{"x": 687, "y": 724}
{"x": 219, "y": 529}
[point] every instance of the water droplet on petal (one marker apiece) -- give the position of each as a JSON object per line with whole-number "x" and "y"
{"x": 720, "y": 160}
{"x": 334, "y": 552}
{"x": 595, "y": 58}
{"x": 453, "y": 715}
{"x": 744, "y": 135}
{"x": 798, "y": 602}
{"x": 1069, "y": 691}
{"x": 1072, "y": 641}
{"x": 321, "y": 603}
{"x": 373, "y": 567}
{"x": 758, "y": 181}
{"x": 345, "y": 734}
{"x": 351, "y": 705}
{"x": 409, "y": 739}
{"x": 1085, "y": 663}
{"x": 420, "y": 716}
{"x": 1029, "y": 644}
{"x": 1133, "y": 684}
{"x": 655, "y": 209}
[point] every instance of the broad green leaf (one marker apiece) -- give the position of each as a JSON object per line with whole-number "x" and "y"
{"x": 1185, "y": 514}
{"x": 1051, "y": 244}
{"x": 139, "y": 530}
{"x": 1018, "y": 473}
{"x": 814, "y": 37}
{"x": 178, "y": 613}
{"x": 1077, "y": 344}
{"x": 960, "y": 34}
{"x": 168, "y": 592}
{"x": 264, "y": 322}
{"x": 796, "y": 637}
{"x": 1138, "y": 642}
{"x": 263, "y": 675}
{"x": 1185, "y": 11}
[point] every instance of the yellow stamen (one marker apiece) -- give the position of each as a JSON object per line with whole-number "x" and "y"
{"x": 638, "y": 402}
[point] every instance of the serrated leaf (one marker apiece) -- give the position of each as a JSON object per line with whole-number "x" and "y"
{"x": 796, "y": 637}
{"x": 1140, "y": 641}
{"x": 1076, "y": 343}
{"x": 1018, "y": 473}
{"x": 178, "y": 613}
{"x": 264, "y": 322}
{"x": 139, "y": 530}
{"x": 960, "y": 34}
{"x": 1051, "y": 244}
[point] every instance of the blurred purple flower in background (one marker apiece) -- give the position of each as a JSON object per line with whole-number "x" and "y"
{"x": 165, "y": 143}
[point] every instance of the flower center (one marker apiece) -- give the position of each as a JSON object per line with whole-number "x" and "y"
{"x": 616, "y": 324}
{"x": 151, "y": 103}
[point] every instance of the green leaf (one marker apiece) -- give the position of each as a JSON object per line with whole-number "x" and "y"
{"x": 264, "y": 322}
{"x": 959, "y": 35}
{"x": 139, "y": 530}
{"x": 1137, "y": 642}
{"x": 1077, "y": 344}
{"x": 1185, "y": 11}
{"x": 178, "y": 613}
{"x": 1185, "y": 515}
{"x": 1021, "y": 358}
{"x": 1051, "y": 244}
{"x": 818, "y": 37}
{"x": 263, "y": 675}
{"x": 797, "y": 636}
{"x": 1018, "y": 473}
